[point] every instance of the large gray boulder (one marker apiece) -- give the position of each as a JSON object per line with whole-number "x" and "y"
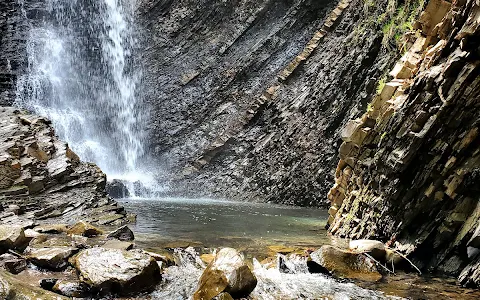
{"x": 345, "y": 264}
{"x": 55, "y": 258}
{"x": 228, "y": 273}
{"x": 117, "y": 271}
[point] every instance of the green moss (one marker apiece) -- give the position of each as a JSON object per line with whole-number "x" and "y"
{"x": 400, "y": 21}
{"x": 381, "y": 84}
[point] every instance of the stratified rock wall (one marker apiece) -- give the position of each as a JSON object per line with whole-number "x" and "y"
{"x": 409, "y": 170}
{"x": 41, "y": 179}
{"x": 249, "y": 97}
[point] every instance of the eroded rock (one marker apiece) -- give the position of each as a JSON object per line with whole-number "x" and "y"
{"x": 123, "y": 234}
{"x": 12, "y": 237}
{"x": 55, "y": 258}
{"x": 346, "y": 264}
{"x": 117, "y": 271}
{"x": 229, "y": 273}
{"x": 84, "y": 229}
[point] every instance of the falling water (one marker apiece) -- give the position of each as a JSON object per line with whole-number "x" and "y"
{"x": 80, "y": 74}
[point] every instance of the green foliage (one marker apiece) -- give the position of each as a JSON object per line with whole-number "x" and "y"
{"x": 400, "y": 21}
{"x": 381, "y": 84}
{"x": 394, "y": 21}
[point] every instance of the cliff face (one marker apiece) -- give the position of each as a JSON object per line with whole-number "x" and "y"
{"x": 237, "y": 113}
{"x": 409, "y": 167}
{"x": 41, "y": 179}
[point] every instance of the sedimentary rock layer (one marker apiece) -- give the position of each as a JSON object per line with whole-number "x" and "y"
{"x": 41, "y": 178}
{"x": 409, "y": 167}
{"x": 248, "y": 99}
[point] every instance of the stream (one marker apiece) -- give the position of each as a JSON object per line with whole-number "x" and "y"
{"x": 196, "y": 226}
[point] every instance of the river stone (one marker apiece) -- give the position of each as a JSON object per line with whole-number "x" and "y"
{"x": 14, "y": 265}
{"x": 55, "y": 258}
{"x": 375, "y": 248}
{"x": 346, "y": 264}
{"x": 84, "y": 229}
{"x": 229, "y": 273}
{"x": 71, "y": 288}
{"x": 117, "y": 189}
{"x": 123, "y": 234}
{"x": 12, "y": 237}
{"x": 114, "y": 244}
{"x": 51, "y": 228}
{"x": 12, "y": 288}
{"x": 117, "y": 271}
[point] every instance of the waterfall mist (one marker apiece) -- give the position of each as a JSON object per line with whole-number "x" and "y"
{"x": 81, "y": 74}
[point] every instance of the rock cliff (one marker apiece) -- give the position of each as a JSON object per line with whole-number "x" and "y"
{"x": 42, "y": 180}
{"x": 249, "y": 99}
{"x": 409, "y": 167}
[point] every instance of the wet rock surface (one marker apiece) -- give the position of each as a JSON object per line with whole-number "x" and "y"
{"x": 117, "y": 189}
{"x": 117, "y": 271}
{"x": 42, "y": 179}
{"x": 228, "y": 273}
{"x": 233, "y": 123}
{"x": 408, "y": 173}
{"x": 346, "y": 264}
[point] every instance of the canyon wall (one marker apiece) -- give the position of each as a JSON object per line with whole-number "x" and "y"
{"x": 409, "y": 167}
{"x": 43, "y": 180}
{"x": 249, "y": 98}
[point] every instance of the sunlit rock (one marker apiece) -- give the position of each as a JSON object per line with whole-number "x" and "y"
{"x": 71, "y": 288}
{"x": 346, "y": 264}
{"x": 229, "y": 273}
{"x": 117, "y": 271}
{"x": 375, "y": 248}
{"x": 84, "y": 229}
{"x": 12, "y": 237}
{"x": 12, "y": 287}
{"x": 123, "y": 234}
{"x": 55, "y": 258}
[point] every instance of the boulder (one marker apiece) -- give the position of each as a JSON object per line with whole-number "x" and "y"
{"x": 345, "y": 264}
{"x": 13, "y": 264}
{"x": 69, "y": 288}
{"x": 375, "y": 248}
{"x": 117, "y": 271}
{"x": 12, "y": 237}
{"x": 228, "y": 273}
{"x": 84, "y": 229}
{"x": 51, "y": 228}
{"x": 123, "y": 234}
{"x": 114, "y": 244}
{"x": 55, "y": 258}
{"x": 117, "y": 189}
{"x": 14, "y": 288}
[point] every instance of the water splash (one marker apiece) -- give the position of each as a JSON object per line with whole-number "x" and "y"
{"x": 81, "y": 75}
{"x": 180, "y": 282}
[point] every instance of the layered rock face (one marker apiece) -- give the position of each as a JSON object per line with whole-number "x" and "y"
{"x": 409, "y": 167}
{"x": 249, "y": 96}
{"x": 42, "y": 180}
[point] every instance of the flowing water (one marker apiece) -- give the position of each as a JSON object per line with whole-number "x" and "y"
{"x": 81, "y": 75}
{"x": 259, "y": 230}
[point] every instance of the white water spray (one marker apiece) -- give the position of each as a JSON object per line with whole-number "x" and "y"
{"x": 81, "y": 75}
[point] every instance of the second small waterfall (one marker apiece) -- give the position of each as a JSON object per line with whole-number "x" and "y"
{"x": 81, "y": 74}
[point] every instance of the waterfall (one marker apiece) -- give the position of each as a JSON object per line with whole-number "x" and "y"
{"x": 81, "y": 75}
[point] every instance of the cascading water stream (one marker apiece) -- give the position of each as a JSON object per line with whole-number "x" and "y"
{"x": 81, "y": 75}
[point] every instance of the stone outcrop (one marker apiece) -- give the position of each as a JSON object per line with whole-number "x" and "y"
{"x": 254, "y": 110}
{"x": 117, "y": 271}
{"x": 409, "y": 167}
{"x": 345, "y": 264}
{"x": 228, "y": 273}
{"x": 42, "y": 179}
